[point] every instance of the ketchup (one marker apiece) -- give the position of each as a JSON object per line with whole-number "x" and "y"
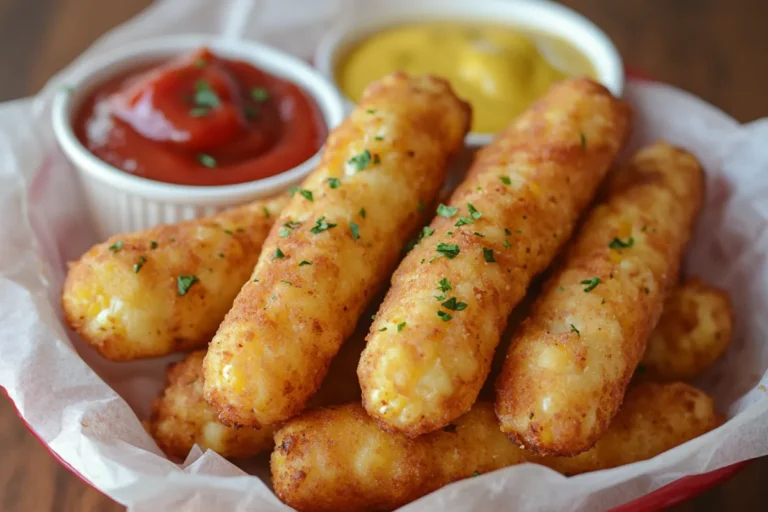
{"x": 200, "y": 120}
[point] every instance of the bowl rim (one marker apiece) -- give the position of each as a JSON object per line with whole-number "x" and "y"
{"x": 84, "y": 78}
{"x": 543, "y": 16}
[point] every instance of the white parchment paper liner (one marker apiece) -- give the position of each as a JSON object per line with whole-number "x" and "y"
{"x": 88, "y": 410}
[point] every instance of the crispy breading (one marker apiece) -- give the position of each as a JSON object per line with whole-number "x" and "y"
{"x": 454, "y": 291}
{"x": 694, "y": 330}
{"x": 165, "y": 289}
{"x": 570, "y": 362}
{"x": 181, "y": 417}
{"x": 337, "y": 459}
{"x": 333, "y": 247}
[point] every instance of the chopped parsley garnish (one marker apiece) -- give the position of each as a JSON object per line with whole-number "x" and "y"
{"x": 362, "y": 212}
{"x": 221, "y": 255}
{"x": 454, "y": 305}
{"x": 206, "y": 160}
{"x": 266, "y": 211}
{"x": 479, "y": 234}
{"x": 278, "y": 254}
{"x": 463, "y": 221}
{"x": 371, "y": 110}
{"x": 574, "y": 329}
{"x": 229, "y": 232}
{"x": 591, "y": 284}
{"x": 255, "y": 280}
{"x": 307, "y": 195}
{"x": 137, "y": 266}
{"x": 334, "y": 182}
{"x": 507, "y": 231}
{"x": 361, "y": 161}
{"x": 184, "y": 283}
{"x": 507, "y": 245}
{"x": 284, "y": 232}
{"x": 505, "y": 180}
{"x": 355, "y": 230}
{"x": 376, "y": 159}
{"x": 321, "y": 225}
{"x": 618, "y": 243}
{"x": 446, "y": 211}
{"x": 292, "y": 224}
{"x": 259, "y": 94}
{"x": 476, "y": 473}
{"x": 400, "y": 326}
{"x": 444, "y": 285}
{"x": 583, "y": 141}
{"x": 473, "y": 212}
{"x": 644, "y": 229}
{"x": 426, "y": 231}
{"x": 379, "y": 137}
{"x": 116, "y": 247}
{"x": 286, "y": 282}
{"x": 205, "y": 96}
{"x": 450, "y": 251}
{"x": 199, "y": 112}
{"x": 444, "y": 316}
{"x": 488, "y": 255}
{"x": 382, "y": 329}
{"x": 304, "y": 262}
{"x": 153, "y": 245}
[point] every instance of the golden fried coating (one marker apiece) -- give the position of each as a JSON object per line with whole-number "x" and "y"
{"x": 181, "y": 417}
{"x": 166, "y": 289}
{"x": 694, "y": 330}
{"x": 430, "y": 348}
{"x": 333, "y": 248}
{"x": 653, "y": 419}
{"x": 570, "y": 362}
{"x": 336, "y": 459}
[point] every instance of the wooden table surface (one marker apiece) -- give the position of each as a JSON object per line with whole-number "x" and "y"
{"x": 714, "y": 48}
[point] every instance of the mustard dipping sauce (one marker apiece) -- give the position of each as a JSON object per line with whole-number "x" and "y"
{"x": 500, "y": 70}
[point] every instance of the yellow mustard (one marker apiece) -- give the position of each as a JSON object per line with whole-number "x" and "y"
{"x": 498, "y": 69}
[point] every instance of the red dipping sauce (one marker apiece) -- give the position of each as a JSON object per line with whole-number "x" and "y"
{"x": 200, "y": 120}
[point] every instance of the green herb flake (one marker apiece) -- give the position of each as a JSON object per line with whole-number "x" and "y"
{"x": 507, "y": 245}
{"x": 376, "y": 159}
{"x": 334, "y": 182}
{"x": 278, "y": 254}
{"x": 583, "y": 141}
{"x": 488, "y": 255}
{"x": 362, "y": 212}
{"x": 618, "y": 243}
{"x": 446, "y": 211}
{"x": 454, "y": 305}
{"x": 463, "y": 221}
{"x": 591, "y": 284}
{"x": 401, "y": 326}
{"x": 426, "y": 231}
{"x": 205, "y": 96}
{"x": 259, "y": 94}
{"x": 560, "y": 289}
{"x": 303, "y": 263}
{"x": 115, "y": 247}
{"x": 574, "y": 329}
{"x": 479, "y": 234}
{"x": 379, "y": 137}
{"x": 473, "y": 212}
{"x": 321, "y": 225}
{"x": 505, "y": 180}
{"x": 444, "y": 285}
{"x": 476, "y": 473}
{"x": 206, "y": 160}
{"x": 137, "y": 266}
{"x": 153, "y": 245}
{"x": 450, "y": 251}
{"x": 199, "y": 112}
{"x": 355, "y": 230}
{"x": 255, "y": 280}
{"x": 286, "y": 282}
{"x": 644, "y": 229}
{"x": 444, "y": 316}
{"x": 382, "y": 329}
{"x": 284, "y": 232}
{"x": 184, "y": 283}
{"x": 361, "y": 161}
{"x": 307, "y": 195}
{"x": 292, "y": 224}
{"x": 266, "y": 211}
{"x": 507, "y": 231}
{"x": 229, "y": 232}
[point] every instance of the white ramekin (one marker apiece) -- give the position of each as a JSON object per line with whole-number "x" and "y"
{"x": 539, "y": 16}
{"x": 119, "y": 201}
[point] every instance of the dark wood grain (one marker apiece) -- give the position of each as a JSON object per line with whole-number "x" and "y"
{"x": 717, "y": 49}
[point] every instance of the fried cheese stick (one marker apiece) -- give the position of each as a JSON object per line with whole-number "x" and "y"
{"x": 694, "y": 330}
{"x": 430, "y": 348}
{"x": 165, "y": 289}
{"x": 570, "y": 362}
{"x": 333, "y": 248}
{"x": 337, "y": 459}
